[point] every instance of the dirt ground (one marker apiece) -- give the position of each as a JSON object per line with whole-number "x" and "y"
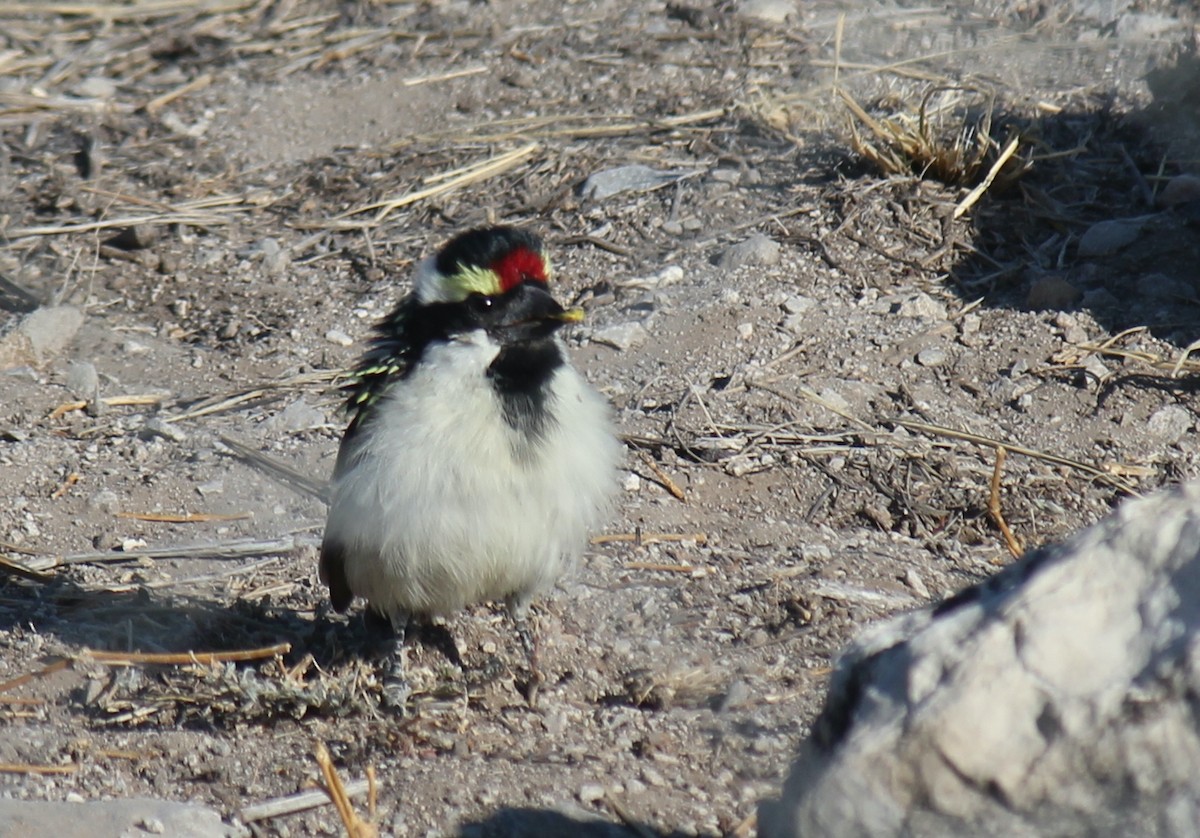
{"x": 231, "y": 192}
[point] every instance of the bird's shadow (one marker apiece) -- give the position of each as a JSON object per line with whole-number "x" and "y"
{"x": 294, "y": 658}
{"x": 550, "y": 823}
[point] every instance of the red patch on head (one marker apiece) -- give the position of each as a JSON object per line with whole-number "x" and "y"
{"x": 519, "y": 265}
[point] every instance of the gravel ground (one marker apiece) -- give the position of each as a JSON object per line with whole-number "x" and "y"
{"x": 816, "y": 365}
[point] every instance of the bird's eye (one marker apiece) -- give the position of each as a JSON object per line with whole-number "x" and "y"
{"x": 480, "y": 302}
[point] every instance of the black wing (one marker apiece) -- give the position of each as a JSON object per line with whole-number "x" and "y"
{"x": 390, "y": 356}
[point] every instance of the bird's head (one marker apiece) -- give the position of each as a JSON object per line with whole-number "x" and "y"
{"x": 498, "y": 278}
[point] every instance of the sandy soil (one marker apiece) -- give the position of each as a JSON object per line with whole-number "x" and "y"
{"x": 826, "y": 403}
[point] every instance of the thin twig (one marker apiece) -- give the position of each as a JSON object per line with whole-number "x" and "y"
{"x": 473, "y": 174}
{"x": 184, "y": 518}
{"x": 356, "y": 827}
{"x": 236, "y": 549}
{"x": 649, "y": 538}
{"x": 298, "y": 802}
{"x": 1014, "y": 546}
{"x": 21, "y": 680}
{"x": 665, "y": 568}
{"x": 975, "y": 194}
{"x": 938, "y": 430}
{"x": 663, "y": 478}
{"x": 184, "y": 658}
{"x": 24, "y": 768}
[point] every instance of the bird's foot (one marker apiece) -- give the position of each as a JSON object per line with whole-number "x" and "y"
{"x": 396, "y": 692}
{"x": 536, "y": 678}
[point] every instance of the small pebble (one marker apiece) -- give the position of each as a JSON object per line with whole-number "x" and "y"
{"x": 931, "y": 356}
{"x": 621, "y": 336}
{"x": 916, "y": 583}
{"x": 796, "y": 304}
{"x": 1096, "y": 368}
{"x": 157, "y": 427}
{"x": 152, "y": 825}
{"x": 591, "y": 792}
{"x": 339, "y": 337}
{"x": 105, "y": 501}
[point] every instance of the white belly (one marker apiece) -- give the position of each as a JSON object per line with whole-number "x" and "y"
{"x": 448, "y": 505}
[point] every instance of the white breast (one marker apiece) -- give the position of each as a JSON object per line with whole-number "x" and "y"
{"x": 449, "y": 505}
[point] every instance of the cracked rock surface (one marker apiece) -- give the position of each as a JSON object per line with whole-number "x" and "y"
{"x": 1058, "y": 698}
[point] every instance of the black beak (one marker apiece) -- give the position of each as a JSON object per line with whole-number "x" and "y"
{"x": 528, "y": 312}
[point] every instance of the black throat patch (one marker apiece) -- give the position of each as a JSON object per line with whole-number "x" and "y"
{"x": 521, "y": 376}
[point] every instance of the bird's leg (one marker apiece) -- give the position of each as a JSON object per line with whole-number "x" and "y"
{"x": 518, "y": 610}
{"x": 396, "y": 689}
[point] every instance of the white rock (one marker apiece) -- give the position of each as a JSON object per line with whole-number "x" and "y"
{"x": 919, "y": 305}
{"x": 797, "y": 304}
{"x": 1056, "y": 699}
{"x": 339, "y": 337}
{"x": 768, "y": 11}
{"x": 591, "y": 792}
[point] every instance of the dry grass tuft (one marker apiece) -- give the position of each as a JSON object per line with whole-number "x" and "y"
{"x": 948, "y": 137}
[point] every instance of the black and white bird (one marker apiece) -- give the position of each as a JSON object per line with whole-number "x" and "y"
{"x": 477, "y": 459}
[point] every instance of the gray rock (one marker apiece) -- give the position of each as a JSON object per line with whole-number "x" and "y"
{"x": 276, "y": 259}
{"x": 113, "y": 819}
{"x": 756, "y": 250}
{"x": 105, "y": 501}
{"x": 298, "y": 416}
{"x": 1095, "y": 367}
{"x": 161, "y": 428}
{"x": 83, "y": 382}
{"x": 621, "y": 336}
{"x": 1056, "y": 699}
{"x": 43, "y": 334}
{"x": 931, "y": 356}
{"x": 1180, "y": 190}
{"x": 1170, "y": 423}
{"x": 920, "y": 305}
{"x": 797, "y": 304}
{"x": 768, "y": 11}
{"x": 632, "y": 178}
{"x": 1108, "y": 237}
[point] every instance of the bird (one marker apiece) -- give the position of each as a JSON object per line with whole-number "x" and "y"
{"x": 477, "y": 459}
